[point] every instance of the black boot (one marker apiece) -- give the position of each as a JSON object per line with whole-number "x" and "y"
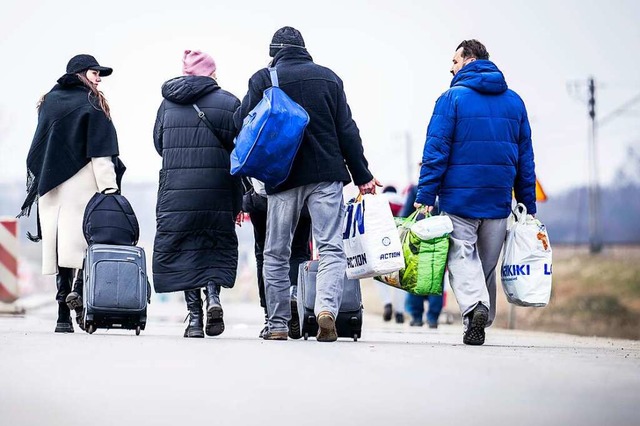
{"x": 194, "y": 305}
{"x": 64, "y": 324}
{"x": 294, "y": 322}
{"x": 64, "y": 279}
{"x": 74, "y": 299}
{"x": 215, "y": 323}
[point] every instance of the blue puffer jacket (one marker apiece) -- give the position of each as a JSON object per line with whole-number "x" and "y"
{"x": 478, "y": 147}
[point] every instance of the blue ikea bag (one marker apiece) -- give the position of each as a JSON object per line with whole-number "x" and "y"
{"x": 270, "y": 137}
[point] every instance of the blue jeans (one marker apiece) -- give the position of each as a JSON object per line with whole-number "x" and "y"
{"x": 414, "y": 305}
{"x": 326, "y": 208}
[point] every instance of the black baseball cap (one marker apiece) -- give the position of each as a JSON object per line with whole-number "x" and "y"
{"x": 85, "y": 62}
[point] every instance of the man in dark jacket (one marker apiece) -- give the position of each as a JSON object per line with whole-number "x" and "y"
{"x": 196, "y": 244}
{"x": 331, "y": 144}
{"x": 478, "y": 150}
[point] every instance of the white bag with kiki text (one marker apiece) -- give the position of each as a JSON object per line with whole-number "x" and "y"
{"x": 371, "y": 241}
{"x": 526, "y": 261}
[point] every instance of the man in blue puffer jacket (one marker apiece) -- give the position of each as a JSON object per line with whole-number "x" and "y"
{"x": 478, "y": 150}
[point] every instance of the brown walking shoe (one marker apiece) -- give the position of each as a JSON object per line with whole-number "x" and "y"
{"x": 326, "y": 328}
{"x": 275, "y": 335}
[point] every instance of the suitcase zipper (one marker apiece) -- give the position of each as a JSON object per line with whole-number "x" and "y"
{"x": 130, "y": 252}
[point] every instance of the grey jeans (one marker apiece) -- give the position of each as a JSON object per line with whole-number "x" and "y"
{"x": 475, "y": 246}
{"x": 326, "y": 208}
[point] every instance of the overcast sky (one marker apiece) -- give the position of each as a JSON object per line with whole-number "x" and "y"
{"x": 394, "y": 58}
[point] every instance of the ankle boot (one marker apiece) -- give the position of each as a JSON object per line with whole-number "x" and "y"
{"x": 64, "y": 324}
{"x": 74, "y": 299}
{"x": 194, "y": 305}
{"x": 64, "y": 279}
{"x": 215, "y": 323}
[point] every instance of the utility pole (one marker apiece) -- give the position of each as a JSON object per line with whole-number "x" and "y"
{"x": 595, "y": 239}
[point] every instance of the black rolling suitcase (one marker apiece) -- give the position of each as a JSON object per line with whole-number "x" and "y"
{"x": 116, "y": 289}
{"x": 349, "y": 321}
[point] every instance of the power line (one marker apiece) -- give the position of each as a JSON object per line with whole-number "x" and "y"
{"x": 621, "y": 109}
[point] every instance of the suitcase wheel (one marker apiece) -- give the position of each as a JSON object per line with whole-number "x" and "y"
{"x": 91, "y": 329}
{"x": 355, "y": 337}
{"x": 306, "y": 336}
{"x": 137, "y": 330}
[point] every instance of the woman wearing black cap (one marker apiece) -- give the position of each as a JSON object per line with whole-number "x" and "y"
{"x": 73, "y": 155}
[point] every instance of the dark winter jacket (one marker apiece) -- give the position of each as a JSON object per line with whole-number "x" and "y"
{"x": 198, "y": 199}
{"x": 331, "y": 141}
{"x": 478, "y": 147}
{"x": 72, "y": 128}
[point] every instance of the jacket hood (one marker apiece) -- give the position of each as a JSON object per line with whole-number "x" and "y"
{"x": 482, "y": 76}
{"x": 188, "y": 89}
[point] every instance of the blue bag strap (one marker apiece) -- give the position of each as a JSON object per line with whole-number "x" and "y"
{"x": 274, "y": 77}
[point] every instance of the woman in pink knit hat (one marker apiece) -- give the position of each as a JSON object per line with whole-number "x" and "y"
{"x": 198, "y": 200}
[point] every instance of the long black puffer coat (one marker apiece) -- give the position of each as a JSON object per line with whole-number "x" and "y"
{"x": 198, "y": 199}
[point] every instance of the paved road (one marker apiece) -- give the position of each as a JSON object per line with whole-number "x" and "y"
{"x": 395, "y": 375}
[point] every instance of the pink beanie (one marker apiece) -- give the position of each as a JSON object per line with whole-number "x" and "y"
{"x": 196, "y": 62}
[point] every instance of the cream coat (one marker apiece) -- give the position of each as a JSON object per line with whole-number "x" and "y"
{"x": 61, "y": 212}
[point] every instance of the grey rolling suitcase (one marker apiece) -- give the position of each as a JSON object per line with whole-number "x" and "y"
{"x": 349, "y": 320}
{"x": 116, "y": 289}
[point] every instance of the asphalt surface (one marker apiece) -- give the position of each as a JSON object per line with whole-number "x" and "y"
{"x": 394, "y": 375}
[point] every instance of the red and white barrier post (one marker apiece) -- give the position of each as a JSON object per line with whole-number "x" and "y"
{"x": 8, "y": 259}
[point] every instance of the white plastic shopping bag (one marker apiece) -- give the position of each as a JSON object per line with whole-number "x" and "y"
{"x": 432, "y": 227}
{"x": 526, "y": 261}
{"x": 371, "y": 241}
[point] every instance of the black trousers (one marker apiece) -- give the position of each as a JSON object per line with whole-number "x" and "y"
{"x": 300, "y": 248}
{"x": 64, "y": 283}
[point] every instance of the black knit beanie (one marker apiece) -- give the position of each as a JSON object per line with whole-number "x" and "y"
{"x": 285, "y": 36}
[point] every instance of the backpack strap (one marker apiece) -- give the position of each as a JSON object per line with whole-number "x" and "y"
{"x": 91, "y": 206}
{"x": 207, "y": 123}
{"x": 136, "y": 227}
{"x": 274, "y": 77}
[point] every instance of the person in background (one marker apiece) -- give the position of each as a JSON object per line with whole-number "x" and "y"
{"x": 477, "y": 153}
{"x": 414, "y": 304}
{"x": 196, "y": 246}
{"x": 74, "y": 154}
{"x": 330, "y": 154}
